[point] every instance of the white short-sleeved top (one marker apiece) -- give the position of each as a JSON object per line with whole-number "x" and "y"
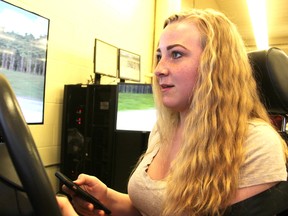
{"x": 264, "y": 162}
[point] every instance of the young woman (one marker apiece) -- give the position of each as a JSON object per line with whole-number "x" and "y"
{"x": 213, "y": 144}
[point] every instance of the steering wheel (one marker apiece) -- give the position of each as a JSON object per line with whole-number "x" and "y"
{"x": 24, "y": 154}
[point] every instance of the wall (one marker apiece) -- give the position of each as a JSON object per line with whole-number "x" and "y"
{"x": 164, "y": 8}
{"x": 74, "y": 25}
{"x": 189, "y": 4}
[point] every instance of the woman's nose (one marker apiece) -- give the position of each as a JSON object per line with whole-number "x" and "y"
{"x": 161, "y": 69}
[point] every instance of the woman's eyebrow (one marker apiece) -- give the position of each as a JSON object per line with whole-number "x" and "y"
{"x": 171, "y": 47}
{"x": 175, "y": 45}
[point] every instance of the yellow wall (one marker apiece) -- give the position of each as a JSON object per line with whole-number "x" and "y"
{"x": 164, "y": 8}
{"x": 74, "y": 25}
{"x": 189, "y": 4}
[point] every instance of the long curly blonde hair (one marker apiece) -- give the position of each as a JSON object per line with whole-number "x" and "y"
{"x": 204, "y": 175}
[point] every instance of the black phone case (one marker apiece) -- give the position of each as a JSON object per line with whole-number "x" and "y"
{"x": 81, "y": 193}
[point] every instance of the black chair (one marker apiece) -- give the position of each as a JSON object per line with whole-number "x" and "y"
{"x": 273, "y": 201}
{"x": 271, "y": 73}
{"x": 18, "y": 150}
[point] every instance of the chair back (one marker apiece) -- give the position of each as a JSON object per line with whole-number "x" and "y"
{"x": 271, "y": 73}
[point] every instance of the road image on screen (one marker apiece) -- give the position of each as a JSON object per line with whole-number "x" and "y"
{"x": 135, "y": 107}
{"x": 23, "y": 55}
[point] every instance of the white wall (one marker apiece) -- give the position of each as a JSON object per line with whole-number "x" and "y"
{"x": 74, "y": 25}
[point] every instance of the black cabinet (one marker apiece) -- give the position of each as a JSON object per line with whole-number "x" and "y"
{"x": 90, "y": 144}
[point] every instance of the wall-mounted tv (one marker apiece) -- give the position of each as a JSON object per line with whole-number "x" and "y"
{"x": 23, "y": 55}
{"x": 105, "y": 59}
{"x": 129, "y": 66}
{"x": 135, "y": 107}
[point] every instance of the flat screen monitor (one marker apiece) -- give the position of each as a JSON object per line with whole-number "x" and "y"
{"x": 135, "y": 107}
{"x": 23, "y": 55}
{"x": 129, "y": 65}
{"x": 105, "y": 59}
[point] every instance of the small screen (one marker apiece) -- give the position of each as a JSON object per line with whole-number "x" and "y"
{"x": 129, "y": 66}
{"x": 105, "y": 59}
{"x": 135, "y": 107}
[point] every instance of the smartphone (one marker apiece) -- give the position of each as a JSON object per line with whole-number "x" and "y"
{"x": 81, "y": 193}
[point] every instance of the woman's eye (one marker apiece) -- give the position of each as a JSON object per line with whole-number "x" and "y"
{"x": 158, "y": 57}
{"x": 176, "y": 55}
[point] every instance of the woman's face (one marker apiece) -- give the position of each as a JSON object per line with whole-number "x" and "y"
{"x": 178, "y": 57}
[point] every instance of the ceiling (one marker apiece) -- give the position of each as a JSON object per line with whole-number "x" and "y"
{"x": 237, "y": 11}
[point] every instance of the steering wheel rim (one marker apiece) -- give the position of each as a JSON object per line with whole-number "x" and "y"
{"x": 24, "y": 154}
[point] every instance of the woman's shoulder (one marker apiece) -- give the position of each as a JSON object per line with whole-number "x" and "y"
{"x": 263, "y": 141}
{"x": 260, "y": 129}
{"x": 264, "y": 155}
{"x": 262, "y": 136}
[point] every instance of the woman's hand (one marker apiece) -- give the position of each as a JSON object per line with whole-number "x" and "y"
{"x": 67, "y": 209}
{"x": 65, "y": 206}
{"x": 93, "y": 186}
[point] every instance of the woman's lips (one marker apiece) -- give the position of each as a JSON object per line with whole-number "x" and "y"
{"x": 166, "y": 86}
